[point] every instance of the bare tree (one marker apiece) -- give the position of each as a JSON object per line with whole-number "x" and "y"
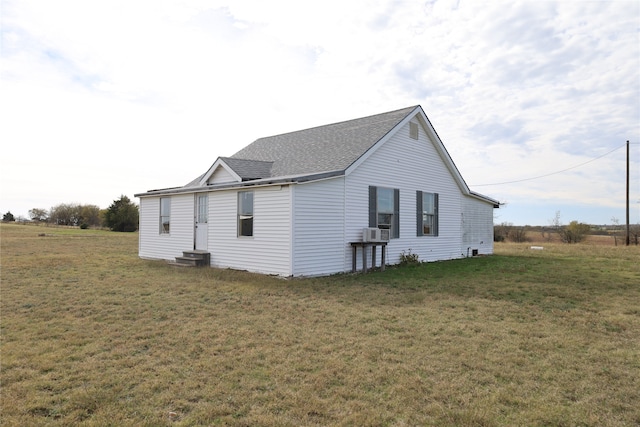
{"x": 555, "y": 226}
{"x": 38, "y": 215}
{"x": 634, "y": 234}
{"x": 65, "y": 214}
{"x": 501, "y": 231}
{"x": 555, "y": 222}
{"x": 616, "y": 229}
{"x": 547, "y": 234}
{"x": 518, "y": 235}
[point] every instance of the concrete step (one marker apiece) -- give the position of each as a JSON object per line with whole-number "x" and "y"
{"x": 195, "y": 258}
{"x": 187, "y": 261}
{"x": 195, "y": 253}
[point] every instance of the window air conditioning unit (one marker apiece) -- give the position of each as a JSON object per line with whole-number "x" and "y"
{"x": 375, "y": 235}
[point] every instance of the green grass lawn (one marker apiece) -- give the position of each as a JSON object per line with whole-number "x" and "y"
{"x": 93, "y": 335}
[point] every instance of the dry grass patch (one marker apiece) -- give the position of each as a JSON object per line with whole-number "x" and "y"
{"x": 93, "y": 335}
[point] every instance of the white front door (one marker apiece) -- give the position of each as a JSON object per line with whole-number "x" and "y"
{"x": 202, "y": 219}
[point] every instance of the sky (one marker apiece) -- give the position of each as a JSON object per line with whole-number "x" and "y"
{"x": 534, "y": 100}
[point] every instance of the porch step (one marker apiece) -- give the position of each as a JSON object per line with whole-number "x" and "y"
{"x": 194, "y": 258}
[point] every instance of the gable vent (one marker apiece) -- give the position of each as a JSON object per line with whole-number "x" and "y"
{"x": 413, "y": 130}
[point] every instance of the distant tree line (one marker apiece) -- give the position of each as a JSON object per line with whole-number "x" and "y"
{"x": 574, "y": 232}
{"x": 121, "y": 215}
{"x": 506, "y": 231}
{"x": 72, "y": 214}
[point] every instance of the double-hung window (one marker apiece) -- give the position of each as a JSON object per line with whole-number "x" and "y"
{"x": 384, "y": 209}
{"x": 427, "y": 213}
{"x": 165, "y": 215}
{"x": 245, "y": 213}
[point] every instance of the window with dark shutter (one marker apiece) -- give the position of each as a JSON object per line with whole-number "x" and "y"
{"x": 384, "y": 209}
{"x": 427, "y": 213}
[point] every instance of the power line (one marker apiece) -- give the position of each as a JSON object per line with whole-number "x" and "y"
{"x": 554, "y": 173}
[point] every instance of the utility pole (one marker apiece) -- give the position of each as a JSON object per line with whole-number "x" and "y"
{"x": 628, "y": 229}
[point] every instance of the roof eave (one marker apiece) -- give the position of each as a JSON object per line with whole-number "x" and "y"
{"x": 294, "y": 179}
{"x": 495, "y": 203}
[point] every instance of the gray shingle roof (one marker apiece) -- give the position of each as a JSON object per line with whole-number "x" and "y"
{"x": 249, "y": 169}
{"x": 326, "y": 148}
{"x": 315, "y": 153}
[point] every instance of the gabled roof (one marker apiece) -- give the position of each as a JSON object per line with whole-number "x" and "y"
{"x": 249, "y": 169}
{"x": 239, "y": 169}
{"x": 326, "y": 148}
{"x": 318, "y": 153}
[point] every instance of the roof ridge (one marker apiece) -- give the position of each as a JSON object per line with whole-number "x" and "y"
{"x": 244, "y": 160}
{"x": 411, "y": 108}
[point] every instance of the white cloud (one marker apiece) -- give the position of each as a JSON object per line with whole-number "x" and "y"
{"x": 155, "y": 91}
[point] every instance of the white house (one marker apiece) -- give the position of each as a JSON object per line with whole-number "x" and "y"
{"x": 291, "y": 204}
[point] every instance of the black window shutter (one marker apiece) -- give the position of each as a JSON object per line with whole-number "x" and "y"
{"x": 436, "y": 214}
{"x": 373, "y": 203}
{"x": 396, "y": 213}
{"x": 419, "y": 228}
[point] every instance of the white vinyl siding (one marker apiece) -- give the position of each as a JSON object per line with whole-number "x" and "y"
{"x": 221, "y": 176}
{"x": 477, "y": 226}
{"x": 409, "y": 165}
{"x": 268, "y": 251}
{"x": 180, "y": 238}
{"x": 318, "y": 244}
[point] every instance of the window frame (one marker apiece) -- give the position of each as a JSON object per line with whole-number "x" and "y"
{"x": 374, "y": 211}
{"x": 244, "y": 215}
{"x": 422, "y": 215}
{"x": 202, "y": 215}
{"x": 165, "y": 212}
